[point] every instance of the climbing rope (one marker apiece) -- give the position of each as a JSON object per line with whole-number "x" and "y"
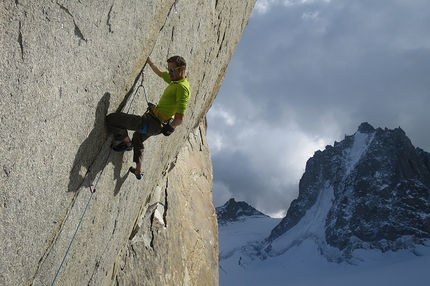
{"x": 94, "y": 187}
{"x": 137, "y": 89}
{"x": 92, "y": 191}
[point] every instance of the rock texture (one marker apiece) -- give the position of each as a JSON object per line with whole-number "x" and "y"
{"x": 174, "y": 241}
{"x": 65, "y": 65}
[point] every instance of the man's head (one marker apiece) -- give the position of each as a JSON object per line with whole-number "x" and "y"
{"x": 176, "y": 66}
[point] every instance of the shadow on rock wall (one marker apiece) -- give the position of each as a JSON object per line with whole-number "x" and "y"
{"x": 95, "y": 153}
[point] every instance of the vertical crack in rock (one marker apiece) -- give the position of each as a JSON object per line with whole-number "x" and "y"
{"x": 65, "y": 9}
{"x": 135, "y": 230}
{"x": 173, "y": 32}
{"x": 78, "y": 32}
{"x": 114, "y": 227}
{"x": 165, "y": 203}
{"x": 108, "y": 20}
{"x": 151, "y": 243}
{"x": 221, "y": 45}
{"x": 20, "y": 40}
{"x": 6, "y": 171}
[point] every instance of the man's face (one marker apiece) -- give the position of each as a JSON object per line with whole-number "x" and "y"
{"x": 178, "y": 74}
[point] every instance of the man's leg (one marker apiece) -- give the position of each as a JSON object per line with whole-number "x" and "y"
{"x": 138, "y": 168}
{"x": 119, "y": 123}
{"x": 138, "y": 139}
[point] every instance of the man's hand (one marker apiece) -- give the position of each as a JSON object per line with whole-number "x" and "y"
{"x": 154, "y": 67}
{"x": 167, "y": 129}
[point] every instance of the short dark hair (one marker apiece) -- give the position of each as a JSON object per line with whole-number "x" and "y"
{"x": 178, "y": 60}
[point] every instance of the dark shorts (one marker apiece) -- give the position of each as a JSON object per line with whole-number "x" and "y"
{"x": 120, "y": 123}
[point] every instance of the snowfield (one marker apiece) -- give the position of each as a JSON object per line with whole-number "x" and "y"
{"x": 303, "y": 264}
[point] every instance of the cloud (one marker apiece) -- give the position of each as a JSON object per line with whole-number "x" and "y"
{"x": 310, "y": 15}
{"x": 263, "y": 6}
{"x": 305, "y": 74}
{"x": 258, "y": 157}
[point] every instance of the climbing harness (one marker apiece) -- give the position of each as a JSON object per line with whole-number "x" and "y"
{"x": 153, "y": 110}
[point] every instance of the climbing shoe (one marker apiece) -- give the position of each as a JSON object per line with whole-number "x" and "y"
{"x": 133, "y": 171}
{"x": 122, "y": 147}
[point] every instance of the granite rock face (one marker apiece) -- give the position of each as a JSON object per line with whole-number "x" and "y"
{"x": 65, "y": 65}
{"x": 174, "y": 241}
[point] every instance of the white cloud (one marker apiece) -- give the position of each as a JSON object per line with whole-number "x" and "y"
{"x": 280, "y": 153}
{"x": 263, "y": 6}
{"x": 216, "y": 142}
{"x": 310, "y": 15}
{"x": 217, "y": 113}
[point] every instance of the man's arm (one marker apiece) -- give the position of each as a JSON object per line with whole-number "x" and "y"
{"x": 154, "y": 67}
{"x": 177, "y": 120}
{"x": 169, "y": 128}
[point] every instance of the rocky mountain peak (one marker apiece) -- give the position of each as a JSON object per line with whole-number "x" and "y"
{"x": 234, "y": 211}
{"x": 372, "y": 190}
{"x": 366, "y": 128}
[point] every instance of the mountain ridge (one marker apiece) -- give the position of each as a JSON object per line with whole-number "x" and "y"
{"x": 369, "y": 191}
{"x": 378, "y": 179}
{"x": 233, "y": 211}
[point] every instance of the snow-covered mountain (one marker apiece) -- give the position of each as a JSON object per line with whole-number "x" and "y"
{"x": 372, "y": 190}
{"x": 236, "y": 211}
{"x": 363, "y": 204}
{"x": 240, "y": 223}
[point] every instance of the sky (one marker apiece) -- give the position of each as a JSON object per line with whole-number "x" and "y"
{"x": 305, "y": 74}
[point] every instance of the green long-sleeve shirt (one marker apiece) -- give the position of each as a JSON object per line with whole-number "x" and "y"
{"x": 175, "y": 97}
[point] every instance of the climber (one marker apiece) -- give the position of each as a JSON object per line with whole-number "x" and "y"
{"x": 162, "y": 118}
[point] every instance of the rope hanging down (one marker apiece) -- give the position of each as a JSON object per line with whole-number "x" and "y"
{"x": 94, "y": 187}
